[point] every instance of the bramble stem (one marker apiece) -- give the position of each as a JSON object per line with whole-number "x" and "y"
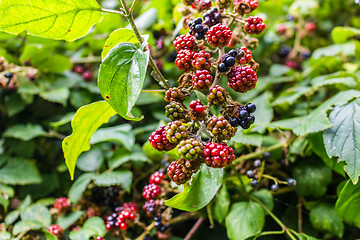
{"x": 194, "y": 229}
{"x": 113, "y": 11}
{"x": 258, "y": 154}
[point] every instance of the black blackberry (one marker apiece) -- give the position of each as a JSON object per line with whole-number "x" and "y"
{"x": 158, "y": 225}
{"x": 212, "y": 17}
{"x": 250, "y": 107}
{"x": 105, "y": 196}
{"x": 222, "y": 67}
{"x": 234, "y": 122}
{"x": 291, "y": 182}
{"x": 254, "y": 183}
{"x": 244, "y": 116}
{"x": 197, "y": 29}
{"x": 284, "y": 51}
{"x": 233, "y": 53}
{"x": 250, "y": 174}
{"x": 8, "y": 75}
{"x": 275, "y": 187}
{"x": 257, "y": 163}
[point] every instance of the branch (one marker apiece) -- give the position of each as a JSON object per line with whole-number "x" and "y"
{"x": 194, "y": 229}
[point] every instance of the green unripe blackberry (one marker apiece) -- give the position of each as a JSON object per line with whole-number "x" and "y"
{"x": 175, "y": 132}
{"x": 175, "y": 111}
{"x": 190, "y": 149}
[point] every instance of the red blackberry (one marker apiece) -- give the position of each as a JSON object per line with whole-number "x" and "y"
{"x": 159, "y": 141}
{"x": 183, "y": 60}
{"x": 245, "y": 6}
{"x": 218, "y": 155}
{"x": 197, "y": 29}
{"x": 79, "y": 69}
{"x": 125, "y": 219}
{"x": 190, "y": 149}
{"x": 185, "y": 42}
{"x": 202, "y": 79}
{"x": 156, "y": 177}
{"x": 219, "y": 35}
{"x": 254, "y": 25}
{"x": 197, "y": 106}
{"x": 174, "y": 94}
{"x": 87, "y": 76}
{"x": 175, "y": 111}
{"x": 201, "y": 60}
{"x": 242, "y": 79}
{"x": 217, "y": 95}
{"x": 310, "y": 27}
{"x": 175, "y": 132}
{"x": 247, "y": 58}
{"x": 221, "y": 128}
{"x": 176, "y": 173}
{"x": 223, "y": 3}
{"x": 212, "y": 17}
{"x": 56, "y": 230}
{"x": 61, "y": 203}
{"x": 151, "y": 191}
{"x": 130, "y": 206}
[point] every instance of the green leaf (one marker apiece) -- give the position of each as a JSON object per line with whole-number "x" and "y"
{"x": 118, "y": 36}
{"x": 348, "y": 205}
{"x": 290, "y": 96}
{"x": 91, "y": 160}
{"x": 305, "y": 124}
{"x": 122, "y": 156}
{"x": 38, "y": 213}
{"x": 317, "y": 144}
{"x": 343, "y": 140}
{"x": 245, "y": 219}
{"x": 79, "y": 186}
{"x": 5, "y": 235}
{"x": 19, "y": 171}
{"x": 96, "y": 225}
{"x": 64, "y": 120}
{"x": 58, "y": 95}
{"x": 249, "y": 138}
{"x": 123, "y": 178}
{"x": 4, "y": 201}
{"x": 49, "y": 236}
{"x": 11, "y": 217}
{"x": 66, "y": 221}
{"x": 264, "y": 112}
{"x": 121, "y": 77}
{"x": 121, "y": 134}
{"x": 54, "y": 19}
{"x": 222, "y": 204}
{"x": 25, "y": 225}
{"x": 323, "y": 218}
{"x": 25, "y": 132}
{"x": 85, "y": 122}
{"x": 312, "y": 177}
{"x": 200, "y": 191}
{"x": 343, "y": 34}
{"x": 347, "y": 49}
{"x": 265, "y": 197}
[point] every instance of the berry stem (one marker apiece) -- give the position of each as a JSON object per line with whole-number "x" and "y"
{"x": 133, "y": 6}
{"x": 194, "y": 229}
{"x": 276, "y": 219}
{"x": 113, "y": 11}
{"x": 146, "y": 232}
{"x": 258, "y": 154}
{"x": 129, "y": 17}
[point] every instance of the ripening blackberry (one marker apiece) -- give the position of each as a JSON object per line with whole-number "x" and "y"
{"x": 177, "y": 174}
{"x": 56, "y": 230}
{"x": 151, "y": 191}
{"x": 183, "y": 60}
{"x": 202, "y": 5}
{"x": 174, "y": 95}
{"x": 202, "y": 80}
{"x": 159, "y": 141}
{"x": 175, "y": 111}
{"x": 245, "y": 6}
{"x": 197, "y": 29}
{"x": 197, "y": 106}
{"x": 247, "y": 58}
{"x": 254, "y": 25}
{"x": 185, "y": 42}
{"x": 217, "y": 95}
{"x": 175, "y": 132}
{"x": 242, "y": 79}
{"x": 190, "y": 149}
{"x": 201, "y": 60}
{"x": 156, "y": 177}
{"x": 221, "y": 128}
{"x": 218, "y": 155}
{"x": 62, "y": 203}
{"x": 212, "y": 17}
{"x": 219, "y": 35}
{"x": 223, "y": 3}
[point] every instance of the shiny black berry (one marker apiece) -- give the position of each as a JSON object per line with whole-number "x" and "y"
{"x": 254, "y": 183}
{"x": 250, "y": 174}
{"x": 291, "y": 182}
{"x": 234, "y": 122}
{"x": 250, "y": 119}
{"x": 275, "y": 187}
{"x": 8, "y": 75}
{"x": 222, "y": 67}
{"x": 158, "y": 225}
{"x": 233, "y": 53}
{"x": 230, "y": 61}
{"x": 243, "y": 114}
{"x": 198, "y": 20}
{"x": 266, "y": 156}
{"x": 257, "y": 163}
{"x": 245, "y": 124}
{"x": 251, "y": 107}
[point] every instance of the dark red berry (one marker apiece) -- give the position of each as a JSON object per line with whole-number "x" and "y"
{"x": 185, "y": 42}
{"x": 87, "y": 76}
{"x": 252, "y": 3}
{"x": 202, "y": 79}
{"x": 218, "y": 155}
{"x": 79, "y": 69}
{"x": 247, "y": 58}
{"x": 177, "y": 174}
{"x": 156, "y": 177}
{"x": 61, "y": 203}
{"x": 201, "y": 60}
{"x": 219, "y": 35}
{"x": 242, "y": 79}
{"x": 159, "y": 141}
{"x": 254, "y": 25}
{"x": 183, "y": 60}
{"x": 99, "y": 238}
{"x": 310, "y": 26}
{"x": 212, "y": 17}
{"x": 151, "y": 191}
{"x": 221, "y": 128}
{"x": 56, "y": 230}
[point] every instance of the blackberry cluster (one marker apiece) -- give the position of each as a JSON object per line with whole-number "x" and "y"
{"x": 174, "y": 95}
{"x": 201, "y": 60}
{"x": 197, "y": 106}
{"x": 212, "y": 17}
{"x": 105, "y": 196}
{"x": 156, "y": 177}
{"x": 242, "y": 79}
{"x": 183, "y": 60}
{"x": 111, "y": 222}
{"x": 175, "y": 132}
{"x": 175, "y": 111}
{"x": 217, "y": 95}
{"x": 158, "y": 225}
{"x": 197, "y": 29}
{"x": 180, "y": 171}
{"x": 227, "y": 61}
{"x": 190, "y": 149}
{"x": 247, "y": 57}
{"x": 125, "y": 219}
{"x": 185, "y": 42}
{"x": 218, "y": 155}
{"x": 62, "y": 203}
{"x": 151, "y": 191}
{"x": 243, "y": 117}
{"x": 159, "y": 140}
{"x": 56, "y": 230}
{"x": 220, "y": 128}
{"x": 254, "y": 25}
{"x": 202, "y": 79}
{"x": 219, "y": 35}
{"x": 151, "y": 207}
{"x": 223, "y": 3}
